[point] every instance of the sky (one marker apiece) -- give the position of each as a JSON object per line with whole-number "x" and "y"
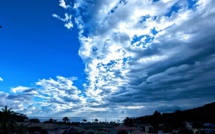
{"x": 106, "y": 58}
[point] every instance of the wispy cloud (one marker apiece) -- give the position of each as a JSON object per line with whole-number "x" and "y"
{"x": 67, "y": 16}
{"x": 19, "y": 89}
{"x": 67, "y": 20}
{"x": 1, "y": 79}
{"x": 63, "y": 4}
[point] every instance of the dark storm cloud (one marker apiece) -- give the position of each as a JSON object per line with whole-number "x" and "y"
{"x": 187, "y": 72}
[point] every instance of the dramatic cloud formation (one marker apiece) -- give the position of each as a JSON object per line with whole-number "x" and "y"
{"x": 47, "y": 98}
{"x": 139, "y": 55}
{"x": 138, "y": 58}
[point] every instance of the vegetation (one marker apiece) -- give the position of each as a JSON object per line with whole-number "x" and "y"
{"x": 8, "y": 119}
{"x": 34, "y": 120}
{"x": 65, "y": 119}
{"x": 84, "y": 120}
{"x": 21, "y": 129}
{"x": 96, "y": 120}
{"x": 201, "y": 114}
{"x": 176, "y": 120}
{"x": 50, "y": 121}
{"x": 128, "y": 122}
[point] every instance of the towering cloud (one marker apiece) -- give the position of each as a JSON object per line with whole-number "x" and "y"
{"x": 138, "y": 54}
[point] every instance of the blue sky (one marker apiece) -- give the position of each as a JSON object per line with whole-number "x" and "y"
{"x": 34, "y": 45}
{"x": 106, "y": 58}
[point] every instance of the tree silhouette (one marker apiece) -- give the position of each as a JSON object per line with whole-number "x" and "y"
{"x": 65, "y": 119}
{"x": 128, "y": 122}
{"x": 35, "y": 120}
{"x": 21, "y": 129}
{"x": 96, "y": 120}
{"x": 50, "y": 121}
{"x": 7, "y": 120}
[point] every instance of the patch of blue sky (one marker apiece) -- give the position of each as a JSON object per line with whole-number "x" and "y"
{"x": 192, "y": 4}
{"x": 114, "y": 8}
{"x": 155, "y": 0}
{"x": 108, "y": 65}
{"x": 154, "y": 17}
{"x": 136, "y": 39}
{"x": 111, "y": 63}
{"x": 86, "y": 32}
{"x": 142, "y": 40}
{"x": 82, "y": 94}
{"x": 144, "y": 18}
{"x": 38, "y": 99}
{"x": 94, "y": 49}
{"x": 84, "y": 15}
{"x": 175, "y": 8}
{"x": 154, "y": 31}
{"x": 104, "y": 78}
{"x": 118, "y": 73}
{"x": 123, "y": 1}
{"x": 148, "y": 39}
{"x": 91, "y": 100}
{"x": 125, "y": 60}
{"x": 86, "y": 28}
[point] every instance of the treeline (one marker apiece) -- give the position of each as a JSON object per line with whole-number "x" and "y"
{"x": 9, "y": 119}
{"x": 6, "y": 114}
{"x": 204, "y": 114}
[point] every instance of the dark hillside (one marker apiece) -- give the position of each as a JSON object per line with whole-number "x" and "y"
{"x": 204, "y": 114}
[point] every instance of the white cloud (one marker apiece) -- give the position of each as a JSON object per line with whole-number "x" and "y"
{"x": 19, "y": 89}
{"x": 115, "y": 66}
{"x": 68, "y": 25}
{"x": 131, "y": 107}
{"x": 67, "y": 20}
{"x": 68, "y": 16}
{"x": 105, "y": 49}
{"x": 63, "y": 4}
{"x": 48, "y": 97}
{"x": 1, "y": 79}
{"x": 60, "y": 94}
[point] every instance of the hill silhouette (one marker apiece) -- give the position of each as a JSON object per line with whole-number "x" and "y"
{"x": 203, "y": 114}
